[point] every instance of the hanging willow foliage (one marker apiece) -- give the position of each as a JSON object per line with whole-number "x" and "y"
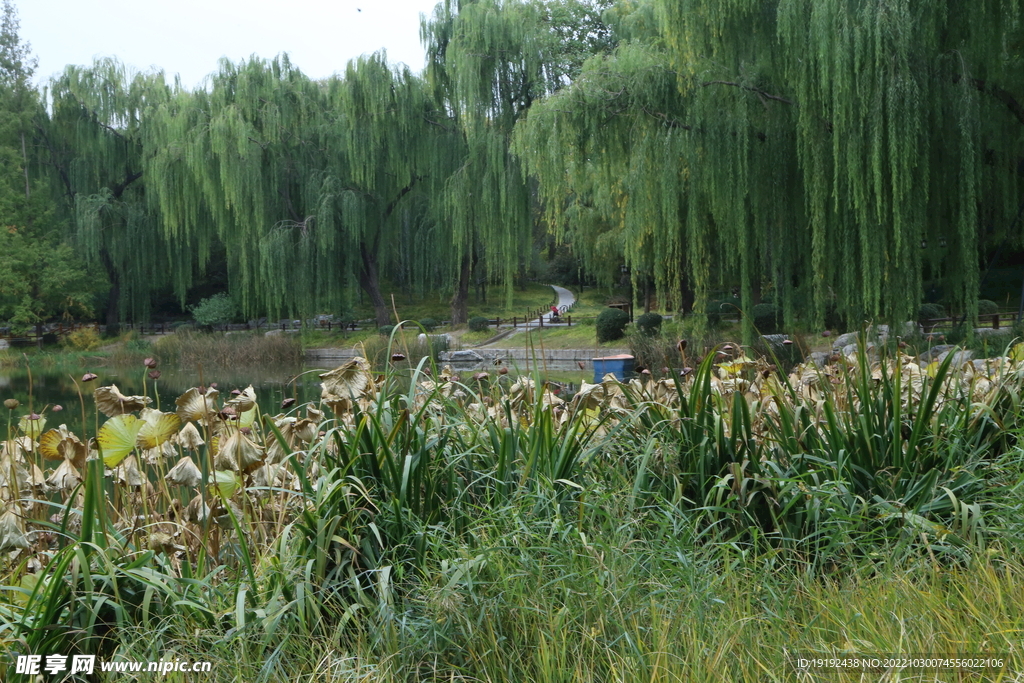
{"x": 489, "y": 60}
{"x": 312, "y": 186}
{"x": 95, "y": 143}
{"x": 826, "y": 153}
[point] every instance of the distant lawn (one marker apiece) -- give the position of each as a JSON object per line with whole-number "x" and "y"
{"x": 412, "y": 306}
{"x": 575, "y": 337}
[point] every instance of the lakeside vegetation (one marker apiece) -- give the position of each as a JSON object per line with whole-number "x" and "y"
{"x": 423, "y": 527}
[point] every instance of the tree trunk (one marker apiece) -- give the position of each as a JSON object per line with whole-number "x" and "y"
{"x": 113, "y": 304}
{"x": 460, "y": 299}
{"x": 687, "y": 297}
{"x": 369, "y": 280}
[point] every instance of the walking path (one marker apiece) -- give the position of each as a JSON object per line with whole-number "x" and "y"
{"x": 565, "y": 302}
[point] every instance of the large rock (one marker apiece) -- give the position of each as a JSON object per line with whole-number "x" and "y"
{"x": 935, "y": 352}
{"x": 959, "y": 357}
{"x": 466, "y": 356}
{"x": 844, "y": 340}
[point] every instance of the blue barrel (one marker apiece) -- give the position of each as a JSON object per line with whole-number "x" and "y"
{"x": 621, "y": 366}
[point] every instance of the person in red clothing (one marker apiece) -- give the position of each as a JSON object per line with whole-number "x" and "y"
{"x": 554, "y": 312}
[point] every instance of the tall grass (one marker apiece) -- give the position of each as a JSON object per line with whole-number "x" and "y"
{"x": 190, "y": 348}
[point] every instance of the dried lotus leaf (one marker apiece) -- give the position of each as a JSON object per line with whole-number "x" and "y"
{"x": 238, "y": 453}
{"x": 185, "y": 473}
{"x": 111, "y": 402}
{"x": 351, "y": 380}
{"x": 196, "y": 406}
{"x": 65, "y": 477}
{"x": 128, "y": 473}
{"x": 197, "y": 511}
{"x": 12, "y": 532}
{"x": 189, "y": 437}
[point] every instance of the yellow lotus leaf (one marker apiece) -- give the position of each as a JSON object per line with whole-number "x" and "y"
{"x": 117, "y": 438}
{"x": 224, "y": 483}
{"x": 1017, "y": 352}
{"x": 111, "y": 402}
{"x": 194, "y": 406}
{"x": 351, "y": 380}
{"x": 59, "y": 444}
{"x": 158, "y": 428}
{"x": 32, "y": 427}
{"x": 185, "y": 473}
{"x": 932, "y": 369}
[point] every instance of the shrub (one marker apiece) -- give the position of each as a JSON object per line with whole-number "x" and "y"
{"x": 479, "y": 324}
{"x": 611, "y": 324}
{"x": 649, "y": 323}
{"x": 930, "y": 312}
{"x": 713, "y": 311}
{"x": 385, "y": 330}
{"x": 429, "y": 324}
{"x": 218, "y": 309}
{"x": 82, "y": 339}
{"x": 766, "y": 318}
{"x": 987, "y": 307}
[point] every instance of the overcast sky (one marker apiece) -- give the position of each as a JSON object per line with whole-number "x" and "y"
{"x": 189, "y": 36}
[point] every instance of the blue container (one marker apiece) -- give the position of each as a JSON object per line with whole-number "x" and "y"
{"x": 621, "y": 366}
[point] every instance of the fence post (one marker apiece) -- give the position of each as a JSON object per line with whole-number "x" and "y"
{"x": 568, "y": 319}
{"x": 995, "y": 321}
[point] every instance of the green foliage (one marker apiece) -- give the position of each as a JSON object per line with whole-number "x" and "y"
{"x": 766, "y": 318}
{"x": 218, "y": 309}
{"x": 987, "y": 307}
{"x": 649, "y": 323}
{"x": 930, "y": 312}
{"x": 479, "y": 324}
{"x": 429, "y": 324}
{"x": 385, "y": 330}
{"x": 82, "y": 339}
{"x": 611, "y": 324}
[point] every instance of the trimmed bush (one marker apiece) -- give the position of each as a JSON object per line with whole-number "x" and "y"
{"x": 930, "y": 312}
{"x": 766, "y": 318}
{"x": 986, "y": 307}
{"x": 479, "y": 324}
{"x": 611, "y": 324}
{"x": 649, "y": 323}
{"x": 429, "y": 324}
{"x": 218, "y": 309}
{"x": 385, "y": 330}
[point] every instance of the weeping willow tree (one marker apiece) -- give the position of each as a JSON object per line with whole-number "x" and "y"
{"x": 94, "y": 143}
{"x": 829, "y": 154}
{"x": 489, "y": 60}
{"x": 313, "y": 187}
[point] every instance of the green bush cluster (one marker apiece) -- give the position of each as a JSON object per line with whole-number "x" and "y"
{"x": 429, "y": 324}
{"x": 930, "y": 312}
{"x": 611, "y": 324}
{"x": 219, "y": 309}
{"x": 479, "y": 324}
{"x": 82, "y": 339}
{"x": 987, "y": 307}
{"x": 767, "y": 318}
{"x": 649, "y": 323}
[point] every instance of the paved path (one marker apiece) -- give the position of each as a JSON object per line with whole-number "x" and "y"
{"x": 565, "y": 302}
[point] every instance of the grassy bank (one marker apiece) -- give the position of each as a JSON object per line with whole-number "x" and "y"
{"x": 409, "y": 528}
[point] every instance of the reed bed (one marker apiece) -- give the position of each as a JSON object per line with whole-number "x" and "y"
{"x": 418, "y": 525}
{"x": 190, "y": 348}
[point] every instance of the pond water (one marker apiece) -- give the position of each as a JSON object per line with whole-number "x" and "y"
{"x": 52, "y": 387}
